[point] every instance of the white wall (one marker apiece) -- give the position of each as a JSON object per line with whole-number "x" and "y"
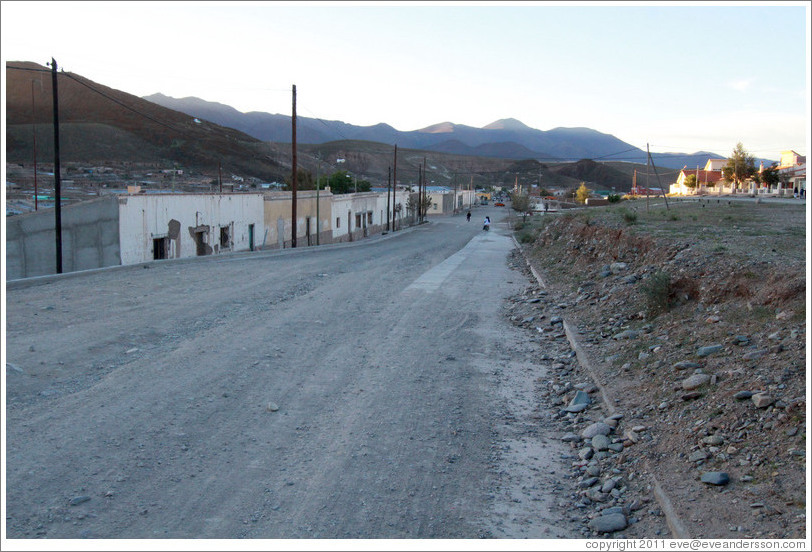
{"x": 179, "y": 217}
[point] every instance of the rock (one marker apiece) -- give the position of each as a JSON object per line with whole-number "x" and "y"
{"x": 580, "y": 397}
{"x": 588, "y": 482}
{"x": 741, "y": 340}
{"x": 13, "y": 368}
{"x": 272, "y": 407}
{"x": 690, "y": 395}
{"x": 715, "y": 478}
{"x": 534, "y": 300}
{"x": 743, "y": 395}
{"x": 570, "y": 438}
{"x": 528, "y": 320}
{"x": 598, "y": 428}
{"x": 79, "y": 500}
{"x": 686, "y": 365}
{"x": 626, "y": 334}
{"x": 556, "y": 320}
{"x": 708, "y": 350}
{"x": 608, "y": 523}
{"x": 607, "y": 487}
{"x": 616, "y": 447}
{"x": 600, "y": 442}
{"x": 695, "y": 381}
{"x": 762, "y": 400}
{"x": 617, "y": 267}
{"x": 713, "y": 440}
{"x": 698, "y": 456}
{"x": 576, "y": 408}
{"x": 752, "y": 355}
{"x": 585, "y": 453}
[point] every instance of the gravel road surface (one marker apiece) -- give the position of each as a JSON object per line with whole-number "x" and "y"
{"x": 365, "y": 390}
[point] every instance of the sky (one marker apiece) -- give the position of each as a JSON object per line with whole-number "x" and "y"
{"x": 680, "y": 76}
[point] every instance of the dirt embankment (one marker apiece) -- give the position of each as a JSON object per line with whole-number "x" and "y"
{"x": 694, "y": 319}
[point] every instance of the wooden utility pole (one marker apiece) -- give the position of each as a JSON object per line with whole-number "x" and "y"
{"x": 648, "y": 158}
{"x": 220, "y": 176}
{"x": 57, "y": 177}
{"x": 293, "y": 179}
{"x": 394, "y": 188}
{"x": 388, "y": 190}
{"x": 34, "y": 130}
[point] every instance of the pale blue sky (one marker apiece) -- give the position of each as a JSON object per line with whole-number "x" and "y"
{"x": 680, "y": 76}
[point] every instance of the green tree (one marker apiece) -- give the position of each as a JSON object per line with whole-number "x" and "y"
{"x": 304, "y": 180}
{"x": 520, "y": 203}
{"x": 690, "y": 181}
{"x": 769, "y": 177}
{"x": 341, "y": 182}
{"x": 582, "y": 193}
{"x": 740, "y": 166}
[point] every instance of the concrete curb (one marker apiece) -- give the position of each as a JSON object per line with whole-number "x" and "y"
{"x": 675, "y": 525}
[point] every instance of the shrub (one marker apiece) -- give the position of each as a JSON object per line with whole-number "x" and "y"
{"x": 613, "y": 198}
{"x": 657, "y": 293}
{"x": 629, "y": 217}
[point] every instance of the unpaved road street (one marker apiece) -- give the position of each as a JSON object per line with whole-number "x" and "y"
{"x": 367, "y": 390}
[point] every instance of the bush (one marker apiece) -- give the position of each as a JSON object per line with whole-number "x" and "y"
{"x": 526, "y": 237}
{"x": 657, "y": 293}
{"x": 613, "y": 198}
{"x": 629, "y": 217}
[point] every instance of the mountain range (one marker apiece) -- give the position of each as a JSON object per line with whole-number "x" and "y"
{"x": 506, "y": 138}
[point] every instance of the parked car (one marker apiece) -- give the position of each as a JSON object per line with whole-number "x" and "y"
{"x": 499, "y": 204}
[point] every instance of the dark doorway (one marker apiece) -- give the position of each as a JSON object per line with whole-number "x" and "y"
{"x": 250, "y": 237}
{"x": 159, "y": 248}
{"x": 200, "y": 242}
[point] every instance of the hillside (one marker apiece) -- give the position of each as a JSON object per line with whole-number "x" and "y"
{"x": 101, "y": 124}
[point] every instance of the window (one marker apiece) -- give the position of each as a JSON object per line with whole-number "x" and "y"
{"x": 358, "y": 220}
{"x": 338, "y": 222}
{"x": 224, "y": 235}
{"x": 369, "y": 217}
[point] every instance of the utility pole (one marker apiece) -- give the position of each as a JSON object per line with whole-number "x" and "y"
{"x": 388, "y": 190}
{"x": 57, "y": 178}
{"x": 658, "y": 181}
{"x": 423, "y": 198}
{"x": 34, "y": 131}
{"x": 293, "y": 180}
{"x": 220, "y": 175}
{"x": 318, "y": 227}
{"x": 394, "y": 187}
{"x": 648, "y": 158}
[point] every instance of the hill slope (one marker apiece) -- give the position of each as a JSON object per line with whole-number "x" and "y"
{"x": 107, "y": 124}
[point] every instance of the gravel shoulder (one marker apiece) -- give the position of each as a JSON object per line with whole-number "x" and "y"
{"x": 707, "y": 369}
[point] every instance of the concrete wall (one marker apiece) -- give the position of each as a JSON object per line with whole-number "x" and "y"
{"x": 190, "y": 224}
{"x": 90, "y": 239}
{"x": 277, "y": 213}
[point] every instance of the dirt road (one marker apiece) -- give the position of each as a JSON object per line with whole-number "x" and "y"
{"x": 365, "y": 390}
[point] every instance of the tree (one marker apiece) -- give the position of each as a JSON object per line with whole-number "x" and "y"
{"x": 582, "y": 193}
{"x": 520, "y": 203}
{"x": 740, "y": 166}
{"x": 690, "y": 181}
{"x": 770, "y": 177}
{"x": 304, "y": 181}
{"x": 341, "y": 182}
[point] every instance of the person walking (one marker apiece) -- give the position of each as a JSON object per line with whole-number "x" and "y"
{"x": 468, "y": 216}
{"x": 487, "y": 224}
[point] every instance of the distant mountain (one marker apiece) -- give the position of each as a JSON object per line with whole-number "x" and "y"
{"x": 505, "y": 138}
